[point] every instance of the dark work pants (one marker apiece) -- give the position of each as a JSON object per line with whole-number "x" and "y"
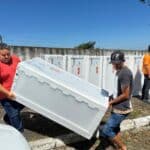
{"x": 12, "y": 109}
{"x": 146, "y": 88}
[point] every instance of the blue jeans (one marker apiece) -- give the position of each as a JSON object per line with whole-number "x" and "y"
{"x": 12, "y": 109}
{"x": 112, "y": 126}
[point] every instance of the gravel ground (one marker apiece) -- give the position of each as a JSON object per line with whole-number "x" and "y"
{"x": 134, "y": 139}
{"x": 140, "y": 109}
{"x": 137, "y": 139}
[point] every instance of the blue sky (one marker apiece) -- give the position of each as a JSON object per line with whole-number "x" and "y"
{"x": 67, "y": 23}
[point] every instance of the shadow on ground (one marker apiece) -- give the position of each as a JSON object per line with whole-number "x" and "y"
{"x": 37, "y": 123}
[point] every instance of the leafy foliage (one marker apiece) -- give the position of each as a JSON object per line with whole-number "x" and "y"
{"x": 88, "y": 45}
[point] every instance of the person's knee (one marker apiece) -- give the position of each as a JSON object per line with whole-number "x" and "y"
{"x": 108, "y": 132}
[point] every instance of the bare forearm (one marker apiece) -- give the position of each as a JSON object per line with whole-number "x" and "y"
{"x": 125, "y": 95}
{"x": 4, "y": 91}
{"x": 9, "y": 94}
{"x": 118, "y": 99}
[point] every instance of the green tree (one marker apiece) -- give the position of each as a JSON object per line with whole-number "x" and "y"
{"x": 87, "y": 45}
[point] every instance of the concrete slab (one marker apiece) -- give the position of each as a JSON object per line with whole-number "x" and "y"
{"x": 127, "y": 125}
{"x": 142, "y": 121}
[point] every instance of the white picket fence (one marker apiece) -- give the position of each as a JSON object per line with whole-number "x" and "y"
{"x": 97, "y": 70}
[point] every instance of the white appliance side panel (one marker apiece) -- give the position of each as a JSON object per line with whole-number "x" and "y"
{"x": 57, "y": 105}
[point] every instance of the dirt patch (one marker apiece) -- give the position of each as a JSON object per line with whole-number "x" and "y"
{"x": 134, "y": 140}
{"x": 140, "y": 109}
{"x": 137, "y": 139}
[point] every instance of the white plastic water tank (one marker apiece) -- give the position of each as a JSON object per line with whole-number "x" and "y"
{"x": 60, "y": 96}
{"x": 11, "y": 139}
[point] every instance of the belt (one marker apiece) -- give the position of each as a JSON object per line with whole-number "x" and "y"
{"x": 122, "y": 111}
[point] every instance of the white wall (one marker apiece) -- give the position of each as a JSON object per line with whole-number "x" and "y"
{"x": 97, "y": 70}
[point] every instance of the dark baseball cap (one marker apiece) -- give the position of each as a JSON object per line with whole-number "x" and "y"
{"x": 117, "y": 57}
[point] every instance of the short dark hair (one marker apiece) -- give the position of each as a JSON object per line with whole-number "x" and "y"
{"x": 4, "y": 46}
